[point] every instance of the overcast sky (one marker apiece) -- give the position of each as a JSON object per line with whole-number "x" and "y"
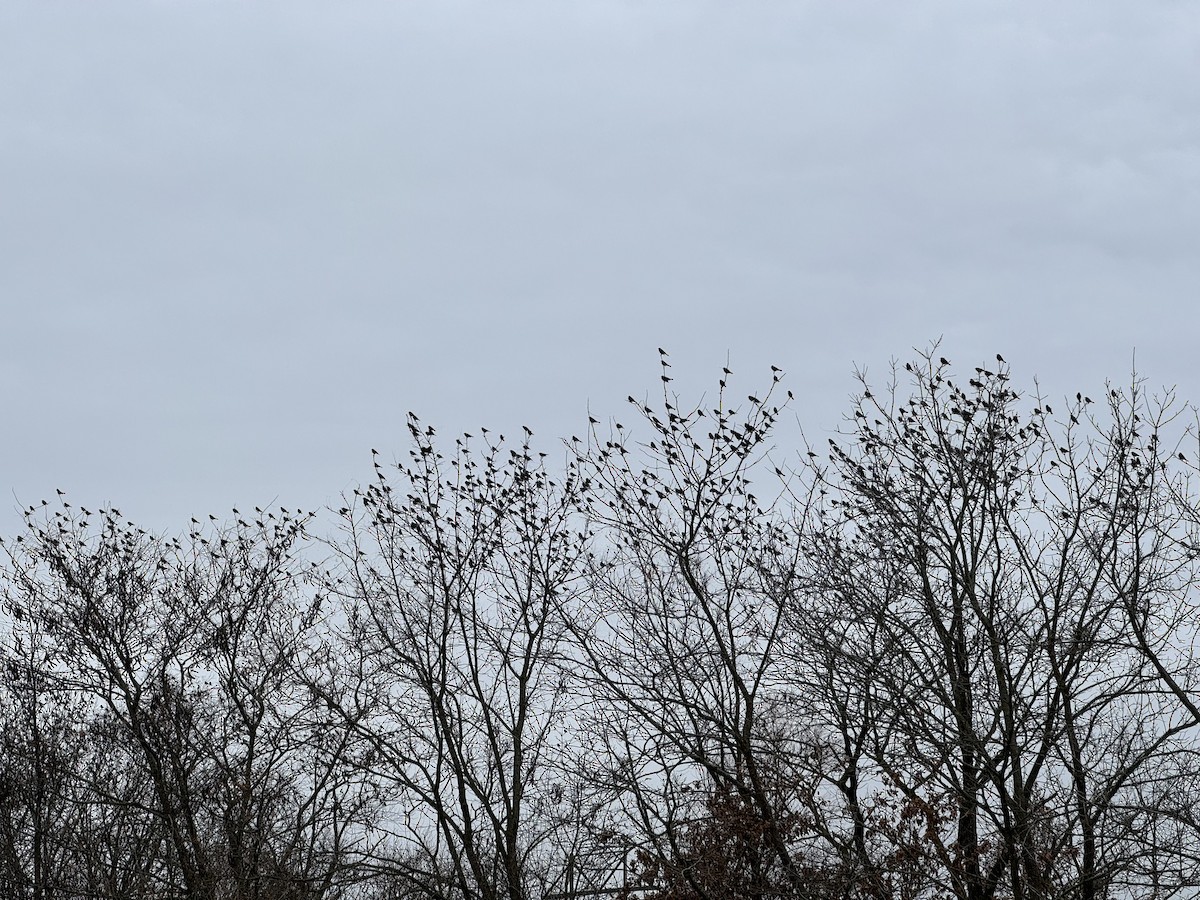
{"x": 238, "y": 241}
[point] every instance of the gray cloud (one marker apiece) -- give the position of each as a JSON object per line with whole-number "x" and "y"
{"x": 241, "y": 240}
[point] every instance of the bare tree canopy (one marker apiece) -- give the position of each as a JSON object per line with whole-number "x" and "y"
{"x": 950, "y": 653}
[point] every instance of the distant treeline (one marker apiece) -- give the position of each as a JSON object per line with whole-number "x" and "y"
{"x": 949, "y": 653}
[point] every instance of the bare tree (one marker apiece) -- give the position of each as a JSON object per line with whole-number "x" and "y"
{"x": 683, "y": 648}
{"x": 997, "y": 586}
{"x": 184, "y": 656}
{"x": 454, "y": 573}
{"x": 40, "y": 753}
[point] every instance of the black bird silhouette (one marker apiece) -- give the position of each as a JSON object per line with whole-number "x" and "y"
{"x": 944, "y": 361}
